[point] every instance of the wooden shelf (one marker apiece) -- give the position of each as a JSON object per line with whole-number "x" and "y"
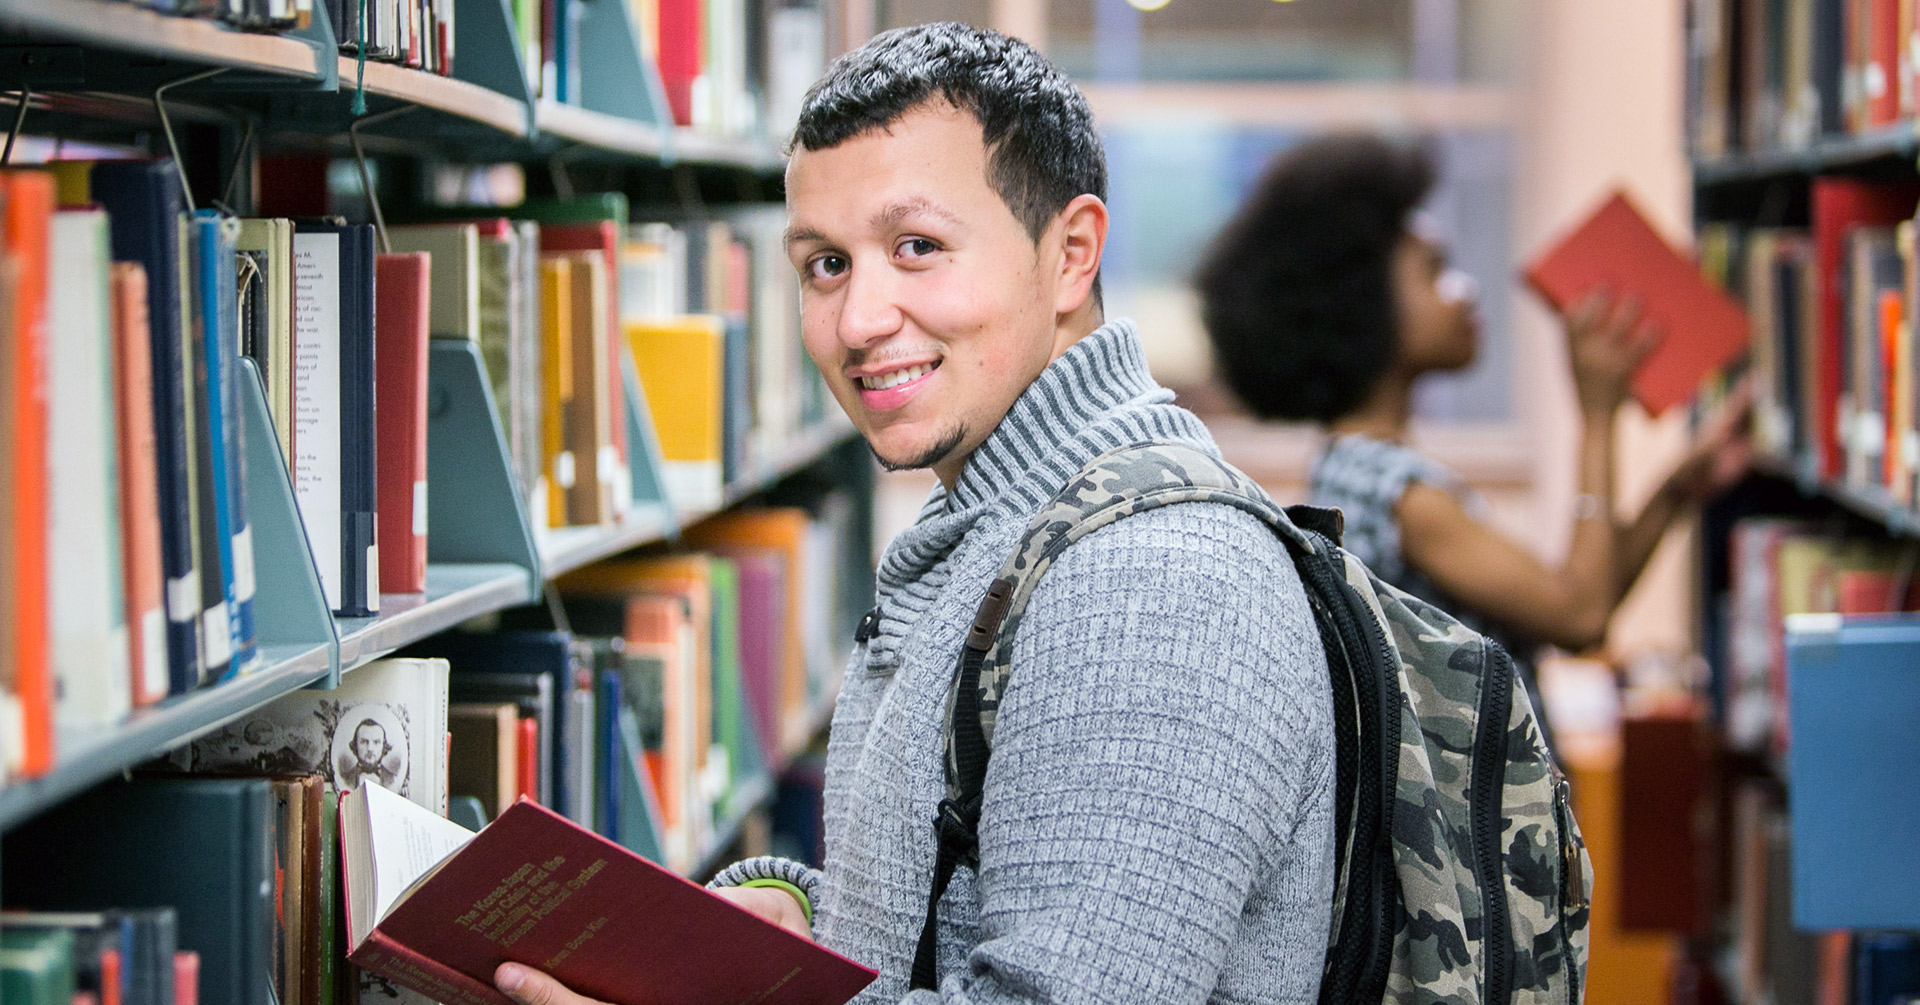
{"x": 90, "y": 756}
{"x": 125, "y": 27}
{"x": 1829, "y": 154}
{"x": 573, "y": 124}
{"x": 455, "y": 593}
{"x": 441, "y": 94}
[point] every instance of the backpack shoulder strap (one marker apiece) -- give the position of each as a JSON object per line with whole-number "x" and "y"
{"x": 1118, "y": 484}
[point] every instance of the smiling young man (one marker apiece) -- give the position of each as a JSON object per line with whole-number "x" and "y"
{"x": 1157, "y": 824}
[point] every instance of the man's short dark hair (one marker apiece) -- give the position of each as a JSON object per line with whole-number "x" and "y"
{"x": 1297, "y": 291}
{"x": 1042, "y": 151}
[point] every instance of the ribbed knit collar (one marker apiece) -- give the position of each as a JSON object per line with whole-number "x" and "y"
{"x": 1097, "y": 395}
{"x": 1099, "y": 373}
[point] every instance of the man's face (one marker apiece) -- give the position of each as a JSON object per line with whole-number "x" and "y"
{"x": 368, "y": 743}
{"x": 924, "y": 302}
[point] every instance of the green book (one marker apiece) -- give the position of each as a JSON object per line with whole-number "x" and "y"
{"x": 331, "y": 951}
{"x": 732, "y": 726}
{"x": 36, "y": 966}
{"x": 599, "y": 207}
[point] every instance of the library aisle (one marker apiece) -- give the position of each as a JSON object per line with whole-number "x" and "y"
{"x": 405, "y": 426}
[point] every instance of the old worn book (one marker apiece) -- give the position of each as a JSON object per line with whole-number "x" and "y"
{"x": 437, "y": 909}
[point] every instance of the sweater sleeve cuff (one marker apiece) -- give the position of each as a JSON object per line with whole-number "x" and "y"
{"x": 785, "y": 870}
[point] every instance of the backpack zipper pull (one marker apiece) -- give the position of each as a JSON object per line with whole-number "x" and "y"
{"x": 869, "y": 627}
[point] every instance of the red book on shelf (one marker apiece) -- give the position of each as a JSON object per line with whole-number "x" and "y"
{"x": 527, "y": 759}
{"x": 1880, "y": 79}
{"x": 604, "y": 921}
{"x": 1617, "y": 248}
{"x": 400, "y": 312}
{"x": 1839, "y": 205}
{"x": 680, "y": 44}
{"x": 26, "y": 211}
{"x": 139, "y": 485}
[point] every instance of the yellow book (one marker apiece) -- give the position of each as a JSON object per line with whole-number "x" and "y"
{"x": 556, "y": 372}
{"x": 680, "y": 362}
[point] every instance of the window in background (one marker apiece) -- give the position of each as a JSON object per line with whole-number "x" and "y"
{"x": 1196, "y": 96}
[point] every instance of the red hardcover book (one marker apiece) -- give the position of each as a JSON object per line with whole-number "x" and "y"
{"x": 400, "y": 388}
{"x": 1704, "y": 329}
{"x": 680, "y": 48}
{"x": 1839, "y": 205}
{"x": 1881, "y": 79}
{"x": 535, "y": 888}
{"x": 527, "y": 759}
{"x": 139, "y": 485}
{"x": 186, "y": 977}
{"x": 25, "y": 218}
{"x": 605, "y": 238}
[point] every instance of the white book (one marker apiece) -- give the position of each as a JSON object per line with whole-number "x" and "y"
{"x": 87, "y": 605}
{"x": 316, "y": 400}
{"x": 386, "y": 723}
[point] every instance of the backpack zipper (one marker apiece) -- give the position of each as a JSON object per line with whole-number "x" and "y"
{"x": 1489, "y": 783}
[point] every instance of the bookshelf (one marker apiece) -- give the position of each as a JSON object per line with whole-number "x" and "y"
{"x": 294, "y": 93}
{"x": 1804, "y": 135}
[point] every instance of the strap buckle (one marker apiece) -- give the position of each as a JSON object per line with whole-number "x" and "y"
{"x": 868, "y": 628}
{"x": 958, "y": 827}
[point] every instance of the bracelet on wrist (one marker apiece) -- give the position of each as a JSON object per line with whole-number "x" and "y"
{"x": 806, "y": 906}
{"x": 1587, "y": 506}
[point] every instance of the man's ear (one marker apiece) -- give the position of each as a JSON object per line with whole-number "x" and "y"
{"x": 1082, "y": 227}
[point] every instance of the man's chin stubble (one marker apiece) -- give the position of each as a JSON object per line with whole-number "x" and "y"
{"x": 926, "y": 458}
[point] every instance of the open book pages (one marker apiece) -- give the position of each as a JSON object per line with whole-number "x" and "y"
{"x": 388, "y": 845}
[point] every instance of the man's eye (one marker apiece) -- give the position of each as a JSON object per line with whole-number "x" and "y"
{"x": 917, "y": 247}
{"x": 827, "y": 266}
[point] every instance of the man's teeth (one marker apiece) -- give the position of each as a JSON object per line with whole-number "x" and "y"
{"x": 896, "y": 378}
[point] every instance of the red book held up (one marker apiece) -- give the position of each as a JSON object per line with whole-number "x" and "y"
{"x": 1617, "y": 248}
{"x": 436, "y": 909}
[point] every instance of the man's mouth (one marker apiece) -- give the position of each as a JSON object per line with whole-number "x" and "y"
{"x": 895, "y": 378}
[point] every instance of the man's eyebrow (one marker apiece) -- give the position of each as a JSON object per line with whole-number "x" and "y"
{"x": 898, "y": 211}
{"x": 795, "y": 235}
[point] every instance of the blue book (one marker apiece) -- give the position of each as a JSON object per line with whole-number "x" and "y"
{"x": 1886, "y": 969}
{"x": 144, "y": 217}
{"x": 548, "y": 653}
{"x": 219, "y": 285}
{"x": 1853, "y": 693}
{"x": 200, "y": 846}
{"x": 607, "y": 741}
{"x": 213, "y": 522}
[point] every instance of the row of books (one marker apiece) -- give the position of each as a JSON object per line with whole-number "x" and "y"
{"x": 129, "y": 449}
{"x": 734, "y": 67}
{"x": 116, "y": 957}
{"x": 1777, "y": 961}
{"x": 1769, "y": 75}
{"x": 1782, "y": 567}
{"x": 654, "y": 735}
{"x": 1832, "y": 306}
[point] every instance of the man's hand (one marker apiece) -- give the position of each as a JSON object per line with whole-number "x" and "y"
{"x": 531, "y": 987}
{"x": 769, "y": 904}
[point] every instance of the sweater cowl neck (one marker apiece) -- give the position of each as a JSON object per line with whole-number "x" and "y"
{"x": 1098, "y": 395}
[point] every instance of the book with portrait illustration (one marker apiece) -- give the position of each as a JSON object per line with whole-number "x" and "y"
{"x": 436, "y": 908}
{"x": 386, "y": 722}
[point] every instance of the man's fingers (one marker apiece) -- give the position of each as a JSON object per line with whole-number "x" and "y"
{"x": 531, "y": 987}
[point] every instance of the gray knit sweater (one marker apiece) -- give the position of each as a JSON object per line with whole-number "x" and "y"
{"x": 1157, "y": 825}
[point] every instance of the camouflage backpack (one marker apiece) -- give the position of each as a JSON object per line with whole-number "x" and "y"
{"x": 1462, "y": 878}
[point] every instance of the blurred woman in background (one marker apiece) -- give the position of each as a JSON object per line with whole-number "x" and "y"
{"x": 1328, "y": 295}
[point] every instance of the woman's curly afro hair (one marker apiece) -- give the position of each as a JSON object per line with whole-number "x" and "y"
{"x": 1297, "y": 291}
